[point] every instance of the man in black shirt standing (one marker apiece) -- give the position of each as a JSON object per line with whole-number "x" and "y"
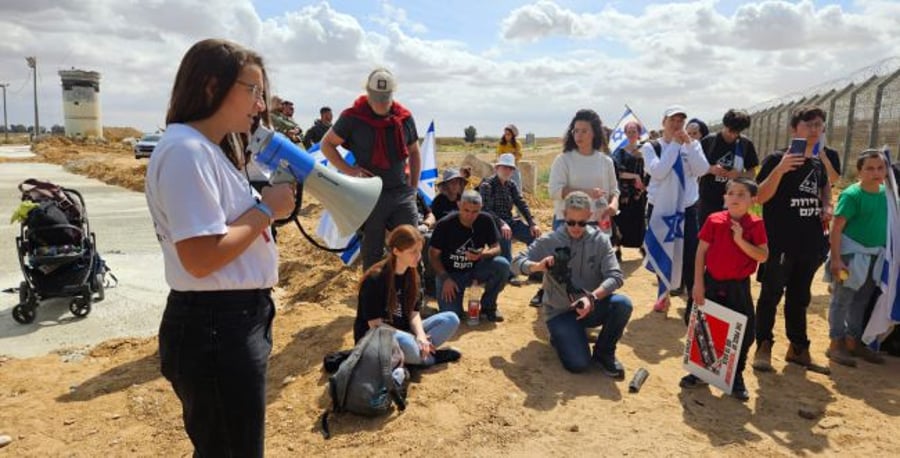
{"x": 382, "y": 135}
{"x": 796, "y": 196}
{"x": 730, "y": 156}
{"x": 465, "y": 248}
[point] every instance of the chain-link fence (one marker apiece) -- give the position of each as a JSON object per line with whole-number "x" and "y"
{"x": 863, "y": 112}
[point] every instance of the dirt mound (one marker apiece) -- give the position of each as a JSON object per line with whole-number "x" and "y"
{"x": 508, "y": 396}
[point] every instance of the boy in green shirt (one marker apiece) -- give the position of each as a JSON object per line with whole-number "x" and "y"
{"x": 858, "y": 238}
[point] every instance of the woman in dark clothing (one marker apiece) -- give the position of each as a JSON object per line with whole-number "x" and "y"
{"x": 630, "y": 222}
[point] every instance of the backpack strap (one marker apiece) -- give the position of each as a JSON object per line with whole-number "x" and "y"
{"x": 386, "y": 340}
{"x": 657, "y": 147}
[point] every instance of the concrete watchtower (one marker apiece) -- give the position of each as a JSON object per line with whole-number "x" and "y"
{"x": 81, "y": 103}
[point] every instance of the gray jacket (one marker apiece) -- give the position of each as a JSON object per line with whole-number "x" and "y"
{"x": 593, "y": 264}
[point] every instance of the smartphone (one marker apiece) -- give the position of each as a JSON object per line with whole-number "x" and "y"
{"x": 798, "y": 146}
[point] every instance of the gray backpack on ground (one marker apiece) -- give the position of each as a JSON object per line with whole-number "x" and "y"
{"x": 363, "y": 384}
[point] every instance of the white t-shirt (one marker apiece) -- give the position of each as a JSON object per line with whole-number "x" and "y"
{"x": 193, "y": 190}
{"x": 575, "y": 170}
{"x": 660, "y": 167}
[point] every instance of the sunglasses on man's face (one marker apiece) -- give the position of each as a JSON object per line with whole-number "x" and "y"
{"x": 572, "y": 222}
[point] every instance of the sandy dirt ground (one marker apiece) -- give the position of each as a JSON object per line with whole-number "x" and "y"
{"x": 508, "y": 396}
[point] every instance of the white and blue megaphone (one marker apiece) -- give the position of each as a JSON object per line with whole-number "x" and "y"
{"x": 349, "y": 199}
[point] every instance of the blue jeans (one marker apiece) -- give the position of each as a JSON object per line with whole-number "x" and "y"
{"x": 214, "y": 349}
{"x": 440, "y": 327}
{"x": 492, "y": 273}
{"x": 520, "y": 232}
{"x": 848, "y": 307}
{"x": 570, "y": 338}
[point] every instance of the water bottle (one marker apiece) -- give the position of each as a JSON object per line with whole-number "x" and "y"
{"x": 473, "y": 303}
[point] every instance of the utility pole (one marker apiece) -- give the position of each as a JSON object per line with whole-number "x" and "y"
{"x": 5, "y": 125}
{"x": 32, "y": 63}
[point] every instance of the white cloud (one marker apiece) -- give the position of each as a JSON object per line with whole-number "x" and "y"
{"x": 545, "y": 18}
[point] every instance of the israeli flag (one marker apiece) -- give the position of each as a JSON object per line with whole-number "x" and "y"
{"x": 617, "y": 138}
{"x": 664, "y": 239}
{"x": 327, "y": 230}
{"x": 429, "y": 173}
{"x": 887, "y": 308}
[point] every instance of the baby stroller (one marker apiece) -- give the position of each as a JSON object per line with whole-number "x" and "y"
{"x": 57, "y": 251}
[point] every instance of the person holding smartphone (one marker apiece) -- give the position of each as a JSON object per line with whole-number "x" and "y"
{"x": 795, "y": 193}
{"x": 593, "y": 271}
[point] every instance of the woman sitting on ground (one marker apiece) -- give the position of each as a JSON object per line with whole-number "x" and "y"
{"x": 389, "y": 294}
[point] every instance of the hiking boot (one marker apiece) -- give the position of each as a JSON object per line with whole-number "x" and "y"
{"x": 739, "y": 390}
{"x": 801, "y": 357}
{"x": 837, "y": 352}
{"x": 611, "y": 367}
{"x": 860, "y": 350}
{"x": 446, "y": 355}
{"x": 762, "y": 359}
{"x": 537, "y": 299}
{"x": 493, "y": 316}
{"x": 691, "y": 381}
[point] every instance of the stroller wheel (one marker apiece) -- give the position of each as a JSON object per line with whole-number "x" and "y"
{"x": 23, "y": 313}
{"x": 80, "y": 307}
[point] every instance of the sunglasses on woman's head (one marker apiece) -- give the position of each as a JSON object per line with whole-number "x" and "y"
{"x": 572, "y": 222}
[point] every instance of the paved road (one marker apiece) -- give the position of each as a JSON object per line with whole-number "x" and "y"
{"x": 125, "y": 240}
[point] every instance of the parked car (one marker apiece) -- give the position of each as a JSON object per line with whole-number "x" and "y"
{"x": 144, "y": 147}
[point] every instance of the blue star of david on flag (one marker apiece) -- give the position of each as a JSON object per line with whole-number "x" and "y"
{"x": 676, "y": 225}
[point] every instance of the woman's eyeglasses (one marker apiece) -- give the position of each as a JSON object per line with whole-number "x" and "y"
{"x": 572, "y": 222}
{"x": 254, "y": 89}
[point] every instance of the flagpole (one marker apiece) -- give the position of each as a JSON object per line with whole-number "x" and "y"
{"x": 635, "y": 115}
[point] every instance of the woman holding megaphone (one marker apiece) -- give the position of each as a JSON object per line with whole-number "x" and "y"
{"x": 220, "y": 259}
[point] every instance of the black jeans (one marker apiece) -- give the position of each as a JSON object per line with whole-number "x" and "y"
{"x": 734, "y": 295}
{"x": 214, "y": 348}
{"x": 788, "y": 275}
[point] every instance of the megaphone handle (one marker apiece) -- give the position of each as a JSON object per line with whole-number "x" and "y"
{"x": 281, "y": 175}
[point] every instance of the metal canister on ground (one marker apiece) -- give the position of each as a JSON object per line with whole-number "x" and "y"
{"x": 639, "y": 378}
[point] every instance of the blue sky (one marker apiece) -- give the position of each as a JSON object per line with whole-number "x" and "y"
{"x": 485, "y": 63}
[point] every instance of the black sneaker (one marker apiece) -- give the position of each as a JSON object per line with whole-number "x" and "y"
{"x": 446, "y": 355}
{"x": 537, "y": 299}
{"x": 515, "y": 281}
{"x": 611, "y": 367}
{"x": 739, "y": 390}
{"x": 677, "y": 291}
{"x": 691, "y": 381}
{"x": 493, "y": 316}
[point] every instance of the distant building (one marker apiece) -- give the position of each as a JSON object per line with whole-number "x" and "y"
{"x": 81, "y": 103}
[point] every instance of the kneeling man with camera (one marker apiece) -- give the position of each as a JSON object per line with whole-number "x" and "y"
{"x": 578, "y": 292}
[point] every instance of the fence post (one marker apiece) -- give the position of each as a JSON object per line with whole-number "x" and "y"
{"x": 876, "y": 115}
{"x": 851, "y": 111}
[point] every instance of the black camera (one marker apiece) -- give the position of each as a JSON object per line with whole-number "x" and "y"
{"x": 562, "y": 274}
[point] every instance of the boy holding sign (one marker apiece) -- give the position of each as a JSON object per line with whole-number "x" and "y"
{"x": 732, "y": 243}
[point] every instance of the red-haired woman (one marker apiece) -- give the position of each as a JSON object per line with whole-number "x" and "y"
{"x": 389, "y": 294}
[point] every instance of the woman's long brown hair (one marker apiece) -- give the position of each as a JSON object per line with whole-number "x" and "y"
{"x": 207, "y": 72}
{"x": 401, "y": 238}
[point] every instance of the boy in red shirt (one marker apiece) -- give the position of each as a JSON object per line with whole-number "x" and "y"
{"x": 732, "y": 243}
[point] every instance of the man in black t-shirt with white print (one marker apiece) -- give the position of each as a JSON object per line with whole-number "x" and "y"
{"x": 730, "y": 156}
{"x": 796, "y": 196}
{"x": 465, "y": 247}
